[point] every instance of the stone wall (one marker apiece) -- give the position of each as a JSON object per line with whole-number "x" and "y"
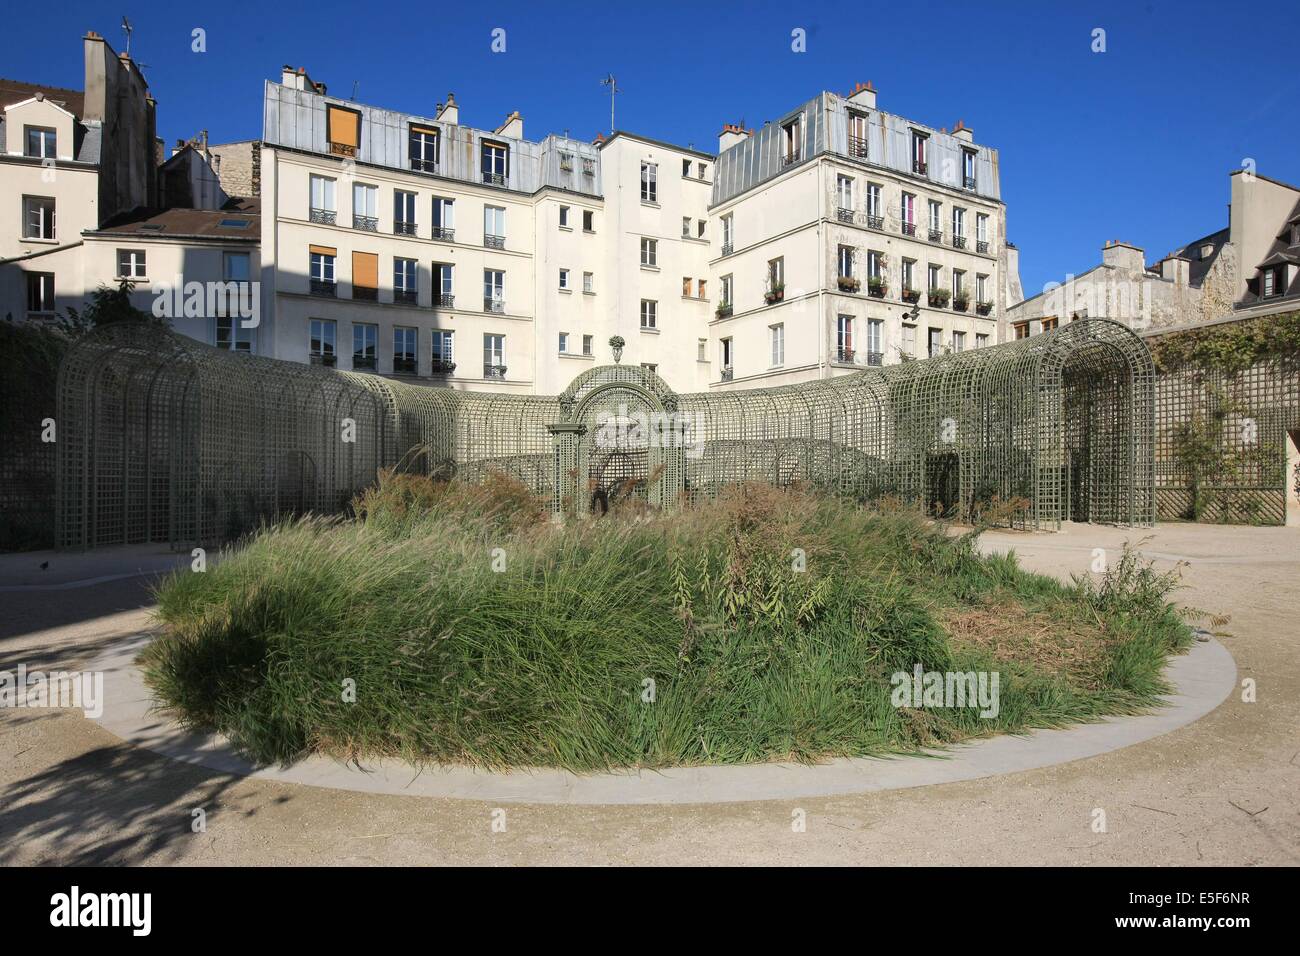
{"x": 241, "y": 167}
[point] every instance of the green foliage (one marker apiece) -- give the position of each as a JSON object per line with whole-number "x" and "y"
{"x": 548, "y": 660}
{"x": 1231, "y": 347}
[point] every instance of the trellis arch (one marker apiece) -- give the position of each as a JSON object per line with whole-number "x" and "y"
{"x": 163, "y": 438}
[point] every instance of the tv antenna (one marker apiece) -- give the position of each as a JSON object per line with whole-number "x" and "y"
{"x": 613, "y": 88}
{"x": 126, "y": 28}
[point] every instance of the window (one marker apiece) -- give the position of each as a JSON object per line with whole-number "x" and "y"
{"x": 958, "y": 283}
{"x": 982, "y": 229}
{"x": 566, "y": 162}
{"x": 588, "y": 283}
{"x": 40, "y": 293}
{"x": 935, "y": 344}
{"x": 936, "y": 220}
{"x": 365, "y": 207}
{"x": 38, "y": 217}
{"x": 776, "y": 274}
{"x": 791, "y": 139}
{"x": 934, "y": 274}
{"x": 322, "y": 270}
{"x": 907, "y": 209}
{"x": 323, "y": 208}
{"x": 494, "y": 227}
{"x": 444, "y": 221}
{"x": 588, "y": 221}
{"x": 699, "y": 290}
{"x": 909, "y": 275}
{"x": 649, "y": 314}
{"x": 777, "y": 336}
{"x": 588, "y": 344}
{"x": 981, "y": 339}
{"x": 981, "y": 289}
{"x": 844, "y": 192}
{"x": 726, "y": 290}
{"x": 495, "y": 163}
{"x": 494, "y": 355}
{"x": 564, "y": 342}
{"x": 958, "y": 227}
{"x": 686, "y": 227}
{"x": 405, "y": 282}
{"x": 231, "y": 335}
{"x": 845, "y": 259}
{"x": 443, "y": 344}
{"x": 920, "y": 151}
{"x": 404, "y": 350}
{"x": 875, "y": 265}
{"x": 909, "y": 340}
{"x": 874, "y": 206}
{"x": 564, "y": 280}
{"x": 699, "y": 228}
{"x": 443, "y": 284}
{"x": 968, "y": 168}
{"x": 728, "y": 221}
{"x": 564, "y": 217}
{"x": 236, "y": 267}
{"x": 40, "y": 142}
{"x": 875, "y": 335}
{"x": 726, "y": 353}
{"x": 844, "y": 338}
{"x": 322, "y": 342}
{"x": 649, "y": 182}
{"x": 403, "y": 213}
{"x": 342, "y": 129}
{"x": 365, "y": 346}
{"x": 959, "y": 341}
{"x": 858, "y": 135}
{"x": 701, "y": 350}
{"x": 649, "y": 253}
{"x": 494, "y": 281}
{"x": 686, "y": 286}
{"x": 1021, "y": 330}
{"x": 130, "y": 264}
{"x": 424, "y": 149}
{"x": 1271, "y": 283}
{"x": 365, "y": 276}
{"x": 686, "y": 167}
{"x": 1049, "y": 323}
{"x": 703, "y": 171}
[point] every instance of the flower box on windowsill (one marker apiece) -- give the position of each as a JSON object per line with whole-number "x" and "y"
{"x": 939, "y": 299}
{"x": 912, "y": 296}
{"x": 983, "y": 308}
{"x": 774, "y": 295}
{"x": 723, "y": 311}
{"x": 877, "y": 289}
{"x": 442, "y": 368}
{"x": 848, "y": 283}
{"x": 961, "y": 303}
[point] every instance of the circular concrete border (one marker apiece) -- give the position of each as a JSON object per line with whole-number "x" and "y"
{"x": 1202, "y": 679}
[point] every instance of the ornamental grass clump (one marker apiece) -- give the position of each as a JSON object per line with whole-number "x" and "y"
{"x": 459, "y": 624}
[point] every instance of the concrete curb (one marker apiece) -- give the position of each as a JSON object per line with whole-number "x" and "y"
{"x": 1202, "y": 679}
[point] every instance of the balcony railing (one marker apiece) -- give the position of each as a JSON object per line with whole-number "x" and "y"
{"x": 857, "y": 147}
{"x": 982, "y": 246}
{"x": 875, "y": 222}
{"x": 363, "y": 363}
{"x": 424, "y": 165}
{"x": 444, "y": 233}
{"x": 909, "y": 228}
{"x": 494, "y": 242}
{"x": 406, "y": 296}
{"x": 845, "y": 355}
{"x": 442, "y": 366}
{"x": 875, "y": 358}
{"x": 494, "y": 179}
{"x": 790, "y": 158}
{"x": 968, "y": 182}
{"x": 727, "y": 248}
{"x": 403, "y": 228}
{"x": 844, "y": 215}
{"x": 494, "y": 371}
{"x": 325, "y": 287}
{"x": 959, "y": 242}
{"x": 367, "y": 223}
{"x": 328, "y": 358}
{"x": 920, "y": 167}
{"x": 494, "y": 305}
{"x": 365, "y": 295}
{"x": 404, "y": 366}
{"x": 936, "y": 235}
{"x": 447, "y": 300}
{"x": 728, "y": 374}
{"x": 326, "y": 217}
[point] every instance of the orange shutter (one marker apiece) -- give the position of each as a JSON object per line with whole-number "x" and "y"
{"x": 365, "y": 270}
{"x": 323, "y": 250}
{"x": 343, "y": 126}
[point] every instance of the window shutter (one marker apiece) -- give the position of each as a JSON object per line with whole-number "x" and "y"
{"x": 365, "y": 270}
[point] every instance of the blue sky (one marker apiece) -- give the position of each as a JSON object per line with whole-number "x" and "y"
{"x": 1135, "y": 143}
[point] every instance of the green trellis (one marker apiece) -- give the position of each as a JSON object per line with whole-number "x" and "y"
{"x": 165, "y": 439}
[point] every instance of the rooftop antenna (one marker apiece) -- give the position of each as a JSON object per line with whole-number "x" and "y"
{"x": 126, "y": 28}
{"x": 355, "y": 84}
{"x": 613, "y": 88}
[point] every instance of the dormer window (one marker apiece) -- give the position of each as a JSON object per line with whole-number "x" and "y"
{"x": 791, "y": 142}
{"x": 39, "y": 142}
{"x": 1272, "y": 282}
{"x": 968, "y": 168}
{"x": 342, "y": 130}
{"x": 495, "y": 163}
{"x": 858, "y": 135}
{"x": 424, "y": 149}
{"x": 920, "y": 153}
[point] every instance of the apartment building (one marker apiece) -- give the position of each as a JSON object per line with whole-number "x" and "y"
{"x": 850, "y": 237}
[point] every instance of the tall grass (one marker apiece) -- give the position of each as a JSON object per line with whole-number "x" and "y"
{"x": 475, "y": 630}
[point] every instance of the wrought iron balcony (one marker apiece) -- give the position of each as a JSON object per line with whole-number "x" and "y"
{"x": 404, "y": 365}
{"x": 982, "y": 246}
{"x": 875, "y": 358}
{"x": 875, "y": 222}
{"x": 920, "y": 167}
{"x": 403, "y": 228}
{"x": 969, "y": 182}
{"x": 442, "y": 366}
{"x": 326, "y": 217}
{"x": 365, "y": 295}
{"x": 728, "y": 373}
{"x": 444, "y": 233}
{"x": 844, "y": 215}
{"x": 363, "y": 363}
{"x": 424, "y": 165}
{"x": 447, "y": 300}
{"x": 327, "y": 358}
{"x": 857, "y": 147}
{"x": 494, "y": 305}
{"x": 367, "y": 223}
{"x": 959, "y": 242}
{"x": 494, "y": 242}
{"x": 406, "y": 296}
{"x": 790, "y": 158}
{"x": 494, "y": 179}
{"x": 909, "y": 228}
{"x": 325, "y": 287}
{"x": 494, "y": 371}
{"x": 727, "y": 248}
{"x": 845, "y": 355}
{"x": 936, "y": 235}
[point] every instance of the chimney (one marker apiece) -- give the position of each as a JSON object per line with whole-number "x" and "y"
{"x": 512, "y": 127}
{"x": 296, "y": 78}
{"x": 864, "y": 95}
{"x": 731, "y": 135}
{"x": 963, "y": 132}
{"x": 1121, "y": 255}
{"x": 449, "y": 113}
{"x": 1177, "y": 269}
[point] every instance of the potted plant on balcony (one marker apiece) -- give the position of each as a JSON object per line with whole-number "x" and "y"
{"x": 983, "y": 308}
{"x": 939, "y": 298}
{"x": 723, "y": 310}
{"x": 775, "y": 294}
{"x": 848, "y": 283}
{"x": 912, "y": 295}
{"x": 877, "y": 287}
{"x": 961, "y": 301}
{"x": 443, "y": 367}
